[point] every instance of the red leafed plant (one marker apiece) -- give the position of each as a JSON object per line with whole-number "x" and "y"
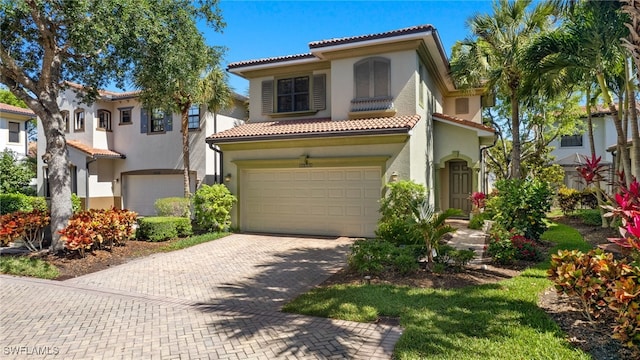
{"x": 592, "y": 170}
{"x": 91, "y": 229}
{"x": 27, "y": 226}
{"x": 478, "y": 199}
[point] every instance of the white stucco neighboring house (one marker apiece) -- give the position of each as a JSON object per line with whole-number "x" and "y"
{"x": 330, "y": 128}
{"x": 13, "y": 128}
{"x": 570, "y": 151}
{"x": 124, "y": 156}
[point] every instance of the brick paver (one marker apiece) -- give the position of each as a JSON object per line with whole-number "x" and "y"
{"x": 218, "y": 300}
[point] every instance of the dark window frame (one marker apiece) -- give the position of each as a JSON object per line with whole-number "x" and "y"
{"x": 194, "y": 118}
{"x": 156, "y": 122}
{"x": 571, "y": 140}
{"x": 104, "y": 119}
{"x": 122, "y": 111}
{"x": 294, "y": 96}
{"x": 79, "y": 117}
{"x": 14, "y": 136}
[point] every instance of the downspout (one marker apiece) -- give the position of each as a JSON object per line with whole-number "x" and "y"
{"x": 213, "y": 147}
{"x": 483, "y": 175}
{"x": 86, "y": 178}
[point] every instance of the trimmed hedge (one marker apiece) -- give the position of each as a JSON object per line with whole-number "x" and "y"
{"x": 173, "y": 206}
{"x": 163, "y": 228}
{"x": 10, "y": 203}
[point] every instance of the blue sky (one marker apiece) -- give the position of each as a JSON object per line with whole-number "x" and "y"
{"x": 261, "y": 29}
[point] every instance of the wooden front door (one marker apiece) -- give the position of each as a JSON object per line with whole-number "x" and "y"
{"x": 460, "y": 186}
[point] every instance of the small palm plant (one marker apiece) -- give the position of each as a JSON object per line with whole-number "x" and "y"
{"x": 431, "y": 225}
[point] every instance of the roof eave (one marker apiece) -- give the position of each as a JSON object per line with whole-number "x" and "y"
{"x": 239, "y": 139}
{"x": 242, "y": 69}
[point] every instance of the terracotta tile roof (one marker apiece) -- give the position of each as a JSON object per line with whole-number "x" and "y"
{"x": 16, "y": 110}
{"x": 463, "y": 122}
{"x": 601, "y": 110}
{"x": 96, "y": 153}
{"x": 270, "y": 60}
{"x": 284, "y": 129}
{"x": 354, "y": 39}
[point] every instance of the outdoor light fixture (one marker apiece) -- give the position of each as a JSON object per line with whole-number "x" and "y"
{"x": 227, "y": 178}
{"x": 394, "y": 176}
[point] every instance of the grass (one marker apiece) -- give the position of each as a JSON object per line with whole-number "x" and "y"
{"x": 492, "y": 321}
{"x": 25, "y": 266}
{"x": 192, "y": 241}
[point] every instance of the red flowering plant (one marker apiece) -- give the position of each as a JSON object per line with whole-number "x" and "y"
{"x": 591, "y": 171}
{"x": 478, "y": 200}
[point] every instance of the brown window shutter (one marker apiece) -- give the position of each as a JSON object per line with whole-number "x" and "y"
{"x": 267, "y": 96}
{"x": 319, "y": 92}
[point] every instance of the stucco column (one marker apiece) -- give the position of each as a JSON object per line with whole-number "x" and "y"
{"x": 436, "y": 186}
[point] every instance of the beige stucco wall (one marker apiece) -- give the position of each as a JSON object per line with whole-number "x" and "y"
{"x": 475, "y": 108}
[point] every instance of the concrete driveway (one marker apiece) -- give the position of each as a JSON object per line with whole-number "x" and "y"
{"x": 218, "y": 300}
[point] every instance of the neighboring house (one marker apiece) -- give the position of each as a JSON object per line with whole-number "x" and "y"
{"x": 328, "y": 129}
{"x": 570, "y": 151}
{"x": 124, "y": 156}
{"x": 13, "y": 128}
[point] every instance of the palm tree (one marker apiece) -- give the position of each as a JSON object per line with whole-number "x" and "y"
{"x": 431, "y": 225}
{"x": 216, "y": 94}
{"x": 588, "y": 43}
{"x": 493, "y": 57}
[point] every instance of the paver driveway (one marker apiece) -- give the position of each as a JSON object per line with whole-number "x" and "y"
{"x": 218, "y": 300}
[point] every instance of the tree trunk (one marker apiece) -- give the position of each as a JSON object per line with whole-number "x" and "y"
{"x": 184, "y": 122}
{"x": 56, "y": 158}
{"x": 635, "y": 132}
{"x": 515, "y": 134}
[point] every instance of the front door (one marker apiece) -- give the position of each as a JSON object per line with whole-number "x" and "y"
{"x": 459, "y": 186}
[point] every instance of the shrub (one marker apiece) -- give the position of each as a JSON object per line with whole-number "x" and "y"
{"x": 589, "y": 199}
{"x": 163, "y": 228}
{"x": 375, "y": 256}
{"x": 10, "y": 203}
{"x": 29, "y": 227}
{"x": 450, "y": 256}
{"x": 173, "y": 206}
{"x": 88, "y": 230}
{"x": 521, "y": 205}
{"x": 526, "y": 249}
{"x": 396, "y": 209}
{"x": 568, "y": 199}
{"x": 76, "y": 204}
{"x": 477, "y": 221}
{"x": 625, "y": 301}
{"x": 212, "y": 207}
{"x": 590, "y": 216}
{"x": 39, "y": 203}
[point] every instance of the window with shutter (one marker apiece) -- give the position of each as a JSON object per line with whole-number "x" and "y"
{"x": 372, "y": 78}
{"x": 267, "y": 96}
{"x": 462, "y": 106}
{"x": 144, "y": 121}
{"x": 319, "y": 92}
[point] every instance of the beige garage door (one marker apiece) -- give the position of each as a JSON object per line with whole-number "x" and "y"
{"x": 313, "y": 201}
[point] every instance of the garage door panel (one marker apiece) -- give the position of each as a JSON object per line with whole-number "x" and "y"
{"x": 316, "y": 201}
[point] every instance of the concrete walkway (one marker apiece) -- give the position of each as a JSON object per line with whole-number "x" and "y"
{"x": 218, "y": 300}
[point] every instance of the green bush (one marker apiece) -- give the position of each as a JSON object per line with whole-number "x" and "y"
{"x": 39, "y": 203}
{"x": 590, "y": 217}
{"x": 375, "y": 256}
{"x": 450, "y": 256}
{"x": 568, "y": 199}
{"x": 396, "y": 208}
{"x": 163, "y": 228}
{"x": 173, "y": 206}
{"x": 521, "y": 205}
{"x": 477, "y": 221}
{"x": 212, "y": 207}
{"x": 76, "y": 204}
{"x": 15, "y": 202}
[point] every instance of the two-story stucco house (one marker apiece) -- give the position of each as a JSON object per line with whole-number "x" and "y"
{"x": 328, "y": 129}
{"x": 125, "y": 156}
{"x": 13, "y": 128}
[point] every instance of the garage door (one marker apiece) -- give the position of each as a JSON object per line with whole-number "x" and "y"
{"x": 313, "y": 201}
{"x": 141, "y": 191}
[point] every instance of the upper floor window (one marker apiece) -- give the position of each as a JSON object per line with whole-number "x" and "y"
{"x": 571, "y": 140}
{"x": 194, "y": 117}
{"x": 14, "y": 132}
{"x": 293, "y": 94}
{"x": 157, "y": 121}
{"x": 104, "y": 119}
{"x": 79, "y": 120}
{"x": 65, "y": 120}
{"x": 462, "y": 106}
{"x": 372, "y": 78}
{"x": 125, "y": 115}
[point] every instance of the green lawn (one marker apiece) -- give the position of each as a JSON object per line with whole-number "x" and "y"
{"x": 493, "y": 321}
